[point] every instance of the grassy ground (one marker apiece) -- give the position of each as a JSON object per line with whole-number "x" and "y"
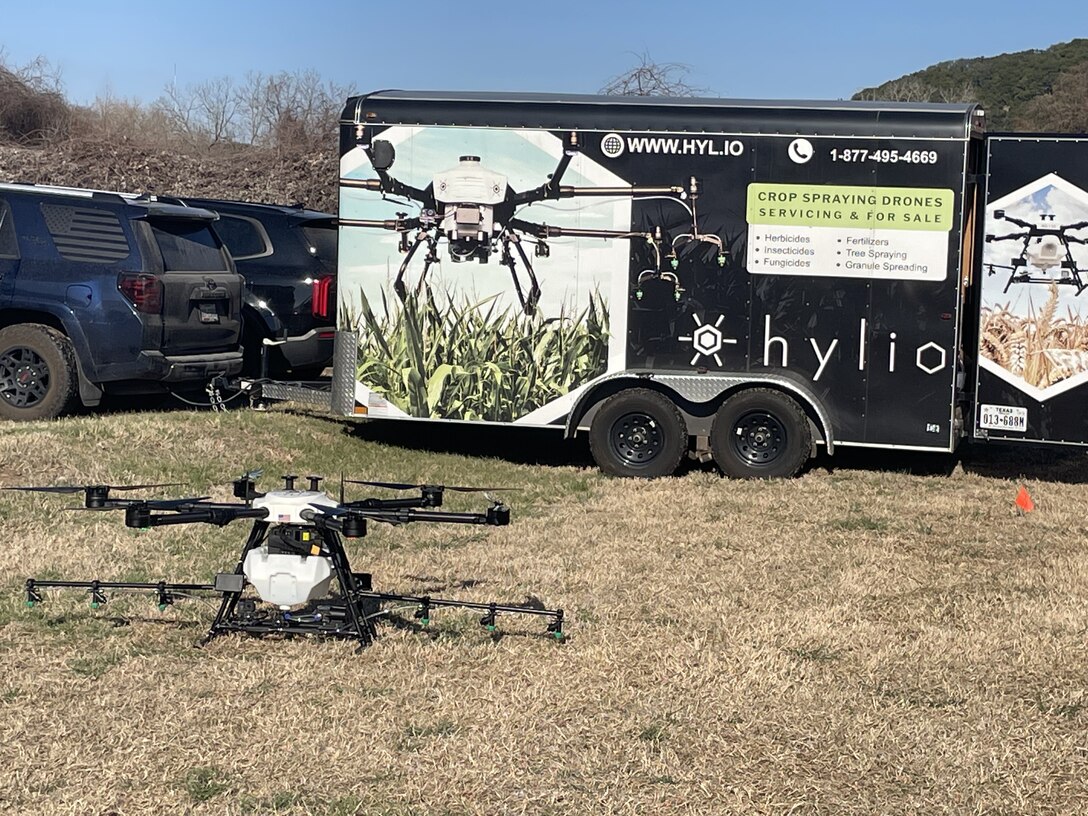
{"x": 859, "y": 640}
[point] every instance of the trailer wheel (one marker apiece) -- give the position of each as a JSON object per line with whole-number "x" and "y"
{"x": 640, "y": 433}
{"x": 760, "y": 434}
{"x": 38, "y": 375}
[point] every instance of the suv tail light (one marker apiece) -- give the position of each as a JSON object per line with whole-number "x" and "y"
{"x": 142, "y": 290}
{"x": 319, "y": 304}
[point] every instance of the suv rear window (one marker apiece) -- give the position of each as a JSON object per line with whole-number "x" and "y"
{"x": 86, "y": 233}
{"x": 188, "y": 246}
{"x": 321, "y": 243}
{"x": 244, "y": 237}
{"x": 9, "y": 247}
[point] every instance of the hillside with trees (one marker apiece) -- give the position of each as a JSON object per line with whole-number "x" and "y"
{"x": 1037, "y": 90}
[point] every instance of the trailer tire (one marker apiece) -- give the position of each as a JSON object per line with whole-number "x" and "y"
{"x": 760, "y": 433}
{"x": 38, "y": 374}
{"x": 638, "y": 433}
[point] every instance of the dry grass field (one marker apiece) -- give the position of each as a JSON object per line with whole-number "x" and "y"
{"x": 859, "y": 640}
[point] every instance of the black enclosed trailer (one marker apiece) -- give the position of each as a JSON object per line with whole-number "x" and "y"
{"x": 678, "y": 277}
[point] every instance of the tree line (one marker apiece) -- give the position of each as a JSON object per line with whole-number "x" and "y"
{"x": 294, "y": 112}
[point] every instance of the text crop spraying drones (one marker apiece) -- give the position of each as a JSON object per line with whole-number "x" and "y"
{"x": 292, "y": 555}
{"x": 475, "y": 211}
{"x": 1046, "y": 246}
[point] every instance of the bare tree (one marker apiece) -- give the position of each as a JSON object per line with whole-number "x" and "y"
{"x": 178, "y": 108}
{"x": 915, "y": 89}
{"x": 204, "y": 114}
{"x": 649, "y": 78}
{"x": 216, "y": 103}
{"x": 285, "y": 110}
{"x": 32, "y": 105}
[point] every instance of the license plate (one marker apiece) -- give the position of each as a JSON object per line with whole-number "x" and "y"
{"x": 1003, "y": 418}
{"x": 208, "y": 313}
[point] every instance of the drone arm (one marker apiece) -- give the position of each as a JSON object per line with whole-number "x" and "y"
{"x": 142, "y": 518}
{"x": 1017, "y": 221}
{"x": 554, "y": 191}
{"x": 397, "y": 224}
{"x": 385, "y": 183}
{"x": 497, "y": 515}
{"x": 1011, "y": 236}
{"x": 547, "y": 231}
{"x": 621, "y": 191}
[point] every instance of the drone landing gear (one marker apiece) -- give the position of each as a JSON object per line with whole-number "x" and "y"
{"x": 528, "y": 304}
{"x": 1070, "y": 277}
{"x": 422, "y": 237}
{"x": 238, "y": 614}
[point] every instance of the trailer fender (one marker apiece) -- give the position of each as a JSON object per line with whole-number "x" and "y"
{"x": 699, "y": 396}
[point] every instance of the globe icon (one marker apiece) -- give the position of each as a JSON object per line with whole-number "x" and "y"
{"x": 612, "y": 145}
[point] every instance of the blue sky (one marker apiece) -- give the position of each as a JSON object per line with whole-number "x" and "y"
{"x": 758, "y": 49}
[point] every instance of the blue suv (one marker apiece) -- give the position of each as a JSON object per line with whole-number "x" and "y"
{"x": 109, "y": 293}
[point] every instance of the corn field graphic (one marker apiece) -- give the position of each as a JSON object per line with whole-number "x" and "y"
{"x": 459, "y": 359}
{"x": 1042, "y": 348}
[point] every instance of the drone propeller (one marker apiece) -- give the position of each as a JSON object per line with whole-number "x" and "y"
{"x": 407, "y": 486}
{"x": 84, "y": 488}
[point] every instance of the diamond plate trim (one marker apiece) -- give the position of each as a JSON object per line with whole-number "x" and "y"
{"x": 345, "y": 358}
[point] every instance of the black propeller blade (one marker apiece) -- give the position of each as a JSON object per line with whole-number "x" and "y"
{"x": 407, "y": 486}
{"x": 84, "y": 488}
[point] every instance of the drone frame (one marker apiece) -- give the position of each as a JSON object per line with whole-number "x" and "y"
{"x": 428, "y": 229}
{"x": 1018, "y": 270}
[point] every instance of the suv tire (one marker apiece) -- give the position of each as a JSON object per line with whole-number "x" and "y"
{"x": 38, "y": 374}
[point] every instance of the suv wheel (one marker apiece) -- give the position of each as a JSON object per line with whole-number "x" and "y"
{"x": 38, "y": 376}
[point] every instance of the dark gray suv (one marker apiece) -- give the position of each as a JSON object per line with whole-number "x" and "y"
{"x": 109, "y": 293}
{"x": 287, "y": 255}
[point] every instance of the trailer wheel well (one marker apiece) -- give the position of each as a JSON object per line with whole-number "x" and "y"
{"x": 591, "y": 401}
{"x": 800, "y": 398}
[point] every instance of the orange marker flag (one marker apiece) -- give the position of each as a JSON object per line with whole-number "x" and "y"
{"x": 1023, "y": 500}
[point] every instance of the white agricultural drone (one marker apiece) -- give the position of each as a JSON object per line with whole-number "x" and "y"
{"x": 283, "y": 581}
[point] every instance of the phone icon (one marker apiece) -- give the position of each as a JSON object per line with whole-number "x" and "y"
{"x": 800, "y": 151}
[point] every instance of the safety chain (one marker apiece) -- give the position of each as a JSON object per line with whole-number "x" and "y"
{"x": 215, "y": 395}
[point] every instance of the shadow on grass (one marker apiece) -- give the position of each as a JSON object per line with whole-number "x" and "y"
{"x": 539, "y": 446}
{"x": 1044, "y": 464}
{"x": 523, "y": 446}
{"x": 1038, "y": 463}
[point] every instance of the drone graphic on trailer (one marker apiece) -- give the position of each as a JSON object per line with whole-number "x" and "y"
{"x": 473, "y": 210}
{"x": 282, "y": 583}
{"x": 1046, "y": 247}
